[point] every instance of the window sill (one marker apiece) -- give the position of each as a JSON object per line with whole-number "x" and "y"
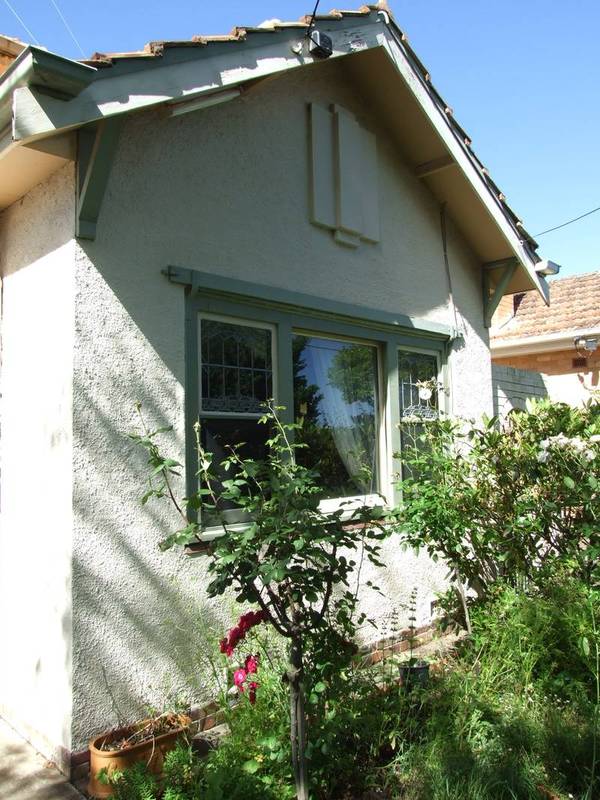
{"x": 210, "y": 535}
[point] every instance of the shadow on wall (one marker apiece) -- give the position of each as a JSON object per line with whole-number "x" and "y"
{"x": 513, "y": 387}
{"x": 141, "y": 622}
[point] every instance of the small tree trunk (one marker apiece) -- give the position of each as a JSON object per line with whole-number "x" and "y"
{"x": 298, "y": 719}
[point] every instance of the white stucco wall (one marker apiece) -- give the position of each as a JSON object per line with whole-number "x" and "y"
{"x": 223, "y": 191}
{"x": 37, "y": 267}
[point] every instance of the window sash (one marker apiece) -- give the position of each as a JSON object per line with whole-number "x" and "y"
{"x": 414, "y": 420}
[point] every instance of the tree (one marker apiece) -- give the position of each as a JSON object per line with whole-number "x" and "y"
{"x": 292, "y": 560}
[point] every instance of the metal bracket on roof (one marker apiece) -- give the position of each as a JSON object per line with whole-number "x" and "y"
{"x": 96, "y": 148}
{"x": 492, "y": 299}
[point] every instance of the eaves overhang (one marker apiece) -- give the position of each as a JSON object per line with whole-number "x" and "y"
{"x": 43, "y": 96}
{"x": 34, "y": 67}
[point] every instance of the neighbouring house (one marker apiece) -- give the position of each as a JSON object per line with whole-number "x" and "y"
{"x": 551, "y": 351}
{"x": 290, "y": 210}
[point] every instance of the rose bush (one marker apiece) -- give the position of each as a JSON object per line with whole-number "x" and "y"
{"x": 296, "y": 562}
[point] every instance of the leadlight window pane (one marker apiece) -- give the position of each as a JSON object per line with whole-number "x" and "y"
{"x": 336, "y": 400}
{"x": 236, "y": 369}
{"x": 418, "y": 389}
{"x": 417, "y": 378}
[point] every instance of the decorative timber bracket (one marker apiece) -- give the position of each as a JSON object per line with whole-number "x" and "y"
{"x": 96, "y": 148}
{"x": 506, "y": 267}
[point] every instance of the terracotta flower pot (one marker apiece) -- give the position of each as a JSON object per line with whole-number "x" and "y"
{"x": 152, "y": 752}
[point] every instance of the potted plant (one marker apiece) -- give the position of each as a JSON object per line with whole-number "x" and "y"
{"x": 120, "y": 748}
{"x": 414, "y": 671}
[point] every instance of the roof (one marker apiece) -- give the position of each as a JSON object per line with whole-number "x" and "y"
{"x": 156, "y": 49}
{"x": 45, "y": 95}
{"x": 574, "y": 308}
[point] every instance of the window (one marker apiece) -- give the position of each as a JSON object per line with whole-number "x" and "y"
{"x": 336, "y": 398}
{"x": 237, "y": 366}
{"x": 418, "y": 390}
{"x": 349, "y": 380}
{"x": 236, "y": 377}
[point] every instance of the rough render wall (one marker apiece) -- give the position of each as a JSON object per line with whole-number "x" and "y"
{"x": 221, "y": 191}
{"x": 37, "y": 263}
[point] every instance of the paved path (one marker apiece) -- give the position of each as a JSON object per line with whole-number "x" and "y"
{"x": 25, "y": 774}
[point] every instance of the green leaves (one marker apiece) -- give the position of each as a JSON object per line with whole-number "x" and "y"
{"x": 585, "y": 646}
{"x": 251, "y": 766}
{"x": 182, "y": 537}
{"x": 515, "y": 498}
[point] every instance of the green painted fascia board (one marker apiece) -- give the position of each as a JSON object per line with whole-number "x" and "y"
{"x": 273, "y": 297}
{"x": 37, "y": 67}
{"x": 46, "y": 71}
{"x": 60, "y": 74}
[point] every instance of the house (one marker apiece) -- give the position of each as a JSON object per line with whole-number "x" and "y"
{"x": 556, "y": 347}
{"x": 197, "y": 226}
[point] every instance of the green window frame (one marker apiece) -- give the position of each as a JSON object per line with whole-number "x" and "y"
{"x": 289, "y": 313}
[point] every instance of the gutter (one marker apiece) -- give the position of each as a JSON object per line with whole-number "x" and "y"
{"x": 56, "y": 75}
{"x": 548, "y": 343}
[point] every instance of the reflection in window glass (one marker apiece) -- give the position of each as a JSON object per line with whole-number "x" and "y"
{"x": 236, "y": 367}
{"x": 220, "y": 436}
{"x": 335, "y": 398}
{"x": 418, "y": 389}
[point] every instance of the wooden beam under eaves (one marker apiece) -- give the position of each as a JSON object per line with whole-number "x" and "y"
{"x": 491, "y": 299}
{"x": 433, "y": 166}
{"x": 95, "y": 153}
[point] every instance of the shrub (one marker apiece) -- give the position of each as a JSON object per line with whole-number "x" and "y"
{"x": 515, "y": 715}
{"x": 513, "y": 500}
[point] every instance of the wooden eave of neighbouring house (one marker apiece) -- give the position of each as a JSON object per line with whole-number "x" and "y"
{"x": 54, "y": 109}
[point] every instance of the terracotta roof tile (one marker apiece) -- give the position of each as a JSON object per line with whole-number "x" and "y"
{"x": 574, "y": 306}
{"x": 238, "y": 33}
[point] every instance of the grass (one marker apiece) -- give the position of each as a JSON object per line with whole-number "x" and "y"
{"x": 514, "y": 716}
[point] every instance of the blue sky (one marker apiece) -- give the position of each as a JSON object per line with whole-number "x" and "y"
{"x": 521, "y": 75}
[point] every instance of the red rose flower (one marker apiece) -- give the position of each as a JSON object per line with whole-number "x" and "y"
{"x": 251, "y": 664}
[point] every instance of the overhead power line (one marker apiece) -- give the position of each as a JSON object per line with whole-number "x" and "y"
{"x": 570, "y": 222}
{"x": 68, "y": 27}
{"x": 29, "y": 33}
